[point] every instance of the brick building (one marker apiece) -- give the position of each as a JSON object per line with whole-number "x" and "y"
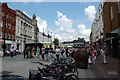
{"x": 111, "y": 19}
{"x": 7, "y": 25}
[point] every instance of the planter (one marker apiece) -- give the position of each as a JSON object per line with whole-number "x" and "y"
{"x": 81, "y": 59}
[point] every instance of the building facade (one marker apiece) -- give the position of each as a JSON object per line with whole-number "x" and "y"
{"x": 7, "y": 26}
{"x": 111, "y": 18}
{"x": 36, "y": 30}
{"x": 24, "y": 30}
{"x": 96, "y": 36}
{"x": 80, "y": 43}
{"x": 45, "y": 39}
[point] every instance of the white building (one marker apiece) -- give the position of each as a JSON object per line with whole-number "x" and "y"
{"x": 45, "y": 39}
{"x": 97, "y": 26}
{"x": 24, "y": 30}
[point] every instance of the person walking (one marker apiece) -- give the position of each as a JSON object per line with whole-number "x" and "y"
{"x": 33, "y": 52}
{"x": 93, "y": 53}
{"x": 26, "y": 53}
{"x": 90, "y": 56}
{"x": 12, "y": 51}
{"x": 37, "y": 52}
{"x": 47, "y": 54}
{"x": 103, "y": 58}
{"x": 66, "y": 52}
{"x": 43, "y": 52}
{"x": 58, "y": 53}
{"x": 62, "y": 50}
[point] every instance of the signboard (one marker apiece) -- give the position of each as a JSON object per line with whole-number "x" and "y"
{"x": 111, "y": 34}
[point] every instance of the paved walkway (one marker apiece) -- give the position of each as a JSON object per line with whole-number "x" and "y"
{"x": 20, "y": 66}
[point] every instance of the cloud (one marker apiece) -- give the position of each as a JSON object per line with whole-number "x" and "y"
{"x": 85, "y": 33}
{"x": 90, "y": 12}
{"x": 58, "y": 36}
{"x": 63, "y": 22}
{"x": 42, "y": 24}
{"x": 64, "y": 25}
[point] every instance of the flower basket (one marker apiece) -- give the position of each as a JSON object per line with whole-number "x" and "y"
{"x": 81, "y": 59}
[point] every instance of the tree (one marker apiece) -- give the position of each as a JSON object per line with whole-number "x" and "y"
{"x": 56, "y": 41}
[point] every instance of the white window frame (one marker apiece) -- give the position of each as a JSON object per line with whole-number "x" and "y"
{"x": 119, "y": 6}
{"x": 9, "y": 26}
{"x": 111, "y": 12}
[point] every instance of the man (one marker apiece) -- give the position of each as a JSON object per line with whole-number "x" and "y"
{"x": 102, "y": 51}
{"x": 62, "y": 51}
{"x": 37, "y": 52}
{"x": 26, "y": 51}
{"x": 43, "y": 52}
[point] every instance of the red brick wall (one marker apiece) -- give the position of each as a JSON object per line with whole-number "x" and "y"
{"x": 110, "y": 25}
{"x": 11, "y": 19}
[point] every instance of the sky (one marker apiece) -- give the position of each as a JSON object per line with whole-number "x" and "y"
{"x": 63, "y": 20}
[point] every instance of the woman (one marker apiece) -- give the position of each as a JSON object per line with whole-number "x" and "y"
{"x": 58, "y": 53}
{"x": 33, "y": 52}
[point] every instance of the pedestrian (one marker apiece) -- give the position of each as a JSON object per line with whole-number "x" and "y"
{"x": 26, "y": 52}
{"x": 33, "y": 52}
{"x": 103, "y": 57}
{"x": 58, "y": 53}
{"x": 90, "y": 56}
{"x": 71, "y": 53}
{"x": 47, "y": 54}
{"x": 37, "y": 52}
{"x": 66, "y": 52}
{"x": 43, "y": 52}
{"x": 51, "y": 55}
{"x": 94, "y": 54}
{"x": 62, "y": 51}
{"x": 12, "y": 51}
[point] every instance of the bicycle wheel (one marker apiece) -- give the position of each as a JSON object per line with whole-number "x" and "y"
{"x": 38, "y": 77}
{"x": 72, "y": 77}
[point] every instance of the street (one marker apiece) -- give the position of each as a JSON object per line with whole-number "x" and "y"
{"x": 19, "y": 66}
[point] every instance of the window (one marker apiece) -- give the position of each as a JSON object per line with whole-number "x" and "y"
{"x": 111, "y": 12}
{"x": 8, "y": 25}
{"x": 8, "y": 36}
{"x": 119, "y": 6}
{"x": 12, "y": 26}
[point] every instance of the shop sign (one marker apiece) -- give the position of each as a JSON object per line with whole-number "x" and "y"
{"x": 111, "y": 34}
